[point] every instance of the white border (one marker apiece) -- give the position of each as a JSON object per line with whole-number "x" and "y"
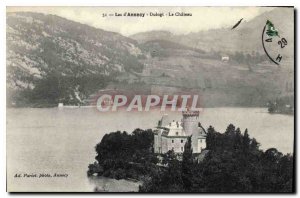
{"x": 151, "y": 3}
{"x": 5, "y": 3}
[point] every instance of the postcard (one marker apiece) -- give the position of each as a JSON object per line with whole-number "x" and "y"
{"x": 150, "y": 99}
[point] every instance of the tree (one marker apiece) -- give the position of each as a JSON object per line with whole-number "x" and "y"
{"x": 187, "y": 165}
{"x": 123, "y": 155}
{"x": 230, "y": 129}
{"x": 246, "y": 140}
{"x": 210, "y": 138}
{"x": 234, "y": 163}
{"x": 168, "y": 157}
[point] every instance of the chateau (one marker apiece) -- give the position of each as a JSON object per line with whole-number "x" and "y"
{"x": 173, "y": 136}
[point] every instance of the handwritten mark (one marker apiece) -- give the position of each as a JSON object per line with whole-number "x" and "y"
{"x": 237, "y": 24}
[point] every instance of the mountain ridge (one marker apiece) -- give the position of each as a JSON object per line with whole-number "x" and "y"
{"x": 51, "y": 60}
{"x": 40, "y": 46}
{"x": 227, "y": 39}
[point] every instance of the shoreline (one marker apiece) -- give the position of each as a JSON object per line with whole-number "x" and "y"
{"x": 106, "y": 184}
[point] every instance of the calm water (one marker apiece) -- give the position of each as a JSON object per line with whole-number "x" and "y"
{"x": 62, "y": 141}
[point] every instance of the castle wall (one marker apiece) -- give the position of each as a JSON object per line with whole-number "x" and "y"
{"x": 164, "y": 144}
{"x": 177, "y": 144}
{"x": 157, "y": 143}
{"x": 201, "y": 144}
{"x": 190, "y": 124}
{"x": 176, "y": 136}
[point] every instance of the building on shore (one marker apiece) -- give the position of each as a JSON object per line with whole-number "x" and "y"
{"x": 173, "y": 135}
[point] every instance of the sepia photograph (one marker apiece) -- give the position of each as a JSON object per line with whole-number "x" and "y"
{"x": 150, "y": 99}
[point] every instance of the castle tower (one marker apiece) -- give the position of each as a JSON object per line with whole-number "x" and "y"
{"x": 190, "y": 121}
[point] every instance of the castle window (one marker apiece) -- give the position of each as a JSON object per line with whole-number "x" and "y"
{"x": 201, "y": 140}
{"x": 177, "y": 133}
{"x": 172, "y": 141}
{"x": 181, "y": 141}
{"x": 181, "y": 148}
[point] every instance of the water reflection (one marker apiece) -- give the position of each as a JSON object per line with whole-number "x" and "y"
{"x": 104, "y": 184}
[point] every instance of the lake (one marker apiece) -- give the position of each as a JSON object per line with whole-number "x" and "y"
{"x": 62, "y": 141}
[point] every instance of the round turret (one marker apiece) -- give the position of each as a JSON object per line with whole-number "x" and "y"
{"x": 190, "y": 121}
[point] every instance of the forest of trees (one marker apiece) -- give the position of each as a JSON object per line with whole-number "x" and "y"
{"x": 55, "y": 88}
{"x": 234, "y": 163}
{"x": 122, "y": 155}
{"x": 283, "y": 105}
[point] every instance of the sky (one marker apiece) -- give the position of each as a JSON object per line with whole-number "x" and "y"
{"x": 203, "y": 18}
